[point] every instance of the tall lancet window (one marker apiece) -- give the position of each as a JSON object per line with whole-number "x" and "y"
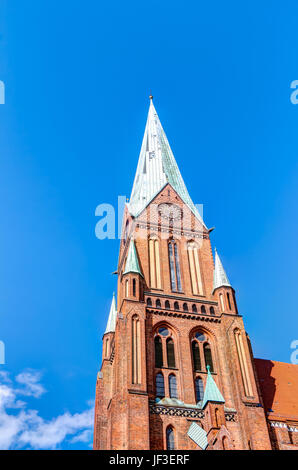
{"x": 160, "y": 385}
{"x": 194, "y": 268}
{"x": 173, "y": 386}
{"x": 199, "y": 386}
{"x": 174, "y": 267}
{"x": 170, "y": 438}
{"x": 136, "y": 350}
{"x": 154, "y": 258}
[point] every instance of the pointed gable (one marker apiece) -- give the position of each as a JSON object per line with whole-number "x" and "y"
{"x": 132, "y": 262}
{"x": 219, "y": 276}
{"x": 156, "y": 167}
{"x": 111, "y": 325}
{"x": 211, "y": 391}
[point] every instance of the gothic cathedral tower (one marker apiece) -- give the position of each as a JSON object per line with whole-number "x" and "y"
{"x": 177, "y": 367}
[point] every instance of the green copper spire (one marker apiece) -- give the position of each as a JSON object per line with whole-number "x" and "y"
{"x": 156, "y": 167}
{"x": 211, "y": 391}
{"x": 219, "y": 276}
{"x": 132, "y": 262}
{"x": 111, "y": 325}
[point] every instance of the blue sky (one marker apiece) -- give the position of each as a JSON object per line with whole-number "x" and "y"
{"x": 77, "y": 76}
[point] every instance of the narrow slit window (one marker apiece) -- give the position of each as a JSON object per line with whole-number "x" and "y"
{"x": 171, "y": 353}
{"x": 175, "y": 272}
{"x": 199, "y": 386}
{"x": 160, "y": 385}
{"x": 196, "y": 355}
{"x": 170, "y": 439}
{"x": 134, "y": 287}
{"x": 208, "y": 357}
{"x": 173, "y": 386}
{"x": 229, "y": 301}
{"x": 158, "y": 351}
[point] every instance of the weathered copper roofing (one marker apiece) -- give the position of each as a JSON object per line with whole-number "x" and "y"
{"x": 132, "y": 262}
{"x": 111, "y": 325}
{"x": 156, "y": 167}
{"x": 211, "y": 391}
{"x": 219, "y": 275}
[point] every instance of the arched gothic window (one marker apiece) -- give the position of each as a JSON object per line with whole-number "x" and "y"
{"x": 194, "y": 268}
{"x": 158, "y": 304}
{"x": 203, "y": 309}
{"x": 170, "y": 438}
{"x": 201, "y": 348}
{"x": 173, "y": 386}
{"x": 164, "y": 348}
{"x": 167, "y": 304}
{"x": 208, "y": 356}
{"x": 229, "y": 301}
{"x": 199, "y": 386}
{"x": 149, "y": 302}
{"x": 160, "y": 385}
{"x": 154, "y": 259}
{"x": 107, "y": 348}
{"x": 134, "y": 287}
{"x": 170, "y": 353}
{"x": 185, "y": 307}
{"x": 194, "y": 308}
{"x": 174, "y": 267}
{"x": 176, "y": 306}
{"x": 158, "y": 351}
{"x": 212, "y": 311}
{"x": 196, "y": 356}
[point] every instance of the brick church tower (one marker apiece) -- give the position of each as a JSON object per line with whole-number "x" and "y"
{"x": 177, "y": 367}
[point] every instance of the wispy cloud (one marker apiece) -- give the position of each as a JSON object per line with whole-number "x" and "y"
{"x": 21, "y": 427}
{"x": 30, "y": 381}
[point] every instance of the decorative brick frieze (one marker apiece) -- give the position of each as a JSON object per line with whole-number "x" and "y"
{"x": 176, "y": 411}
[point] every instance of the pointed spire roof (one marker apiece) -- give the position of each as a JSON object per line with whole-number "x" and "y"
{"x": 156, "y": 167}
{"x": 219, "y": 277}
{"x": 132, "y": 262}
{"x": 111, "y": 325}
{"x": 211, "y": 391}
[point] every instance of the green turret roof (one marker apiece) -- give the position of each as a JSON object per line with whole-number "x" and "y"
{"x": 211, "y": 391}
{"x": 132, "y": 262}
{"x": 219, "y": 276}
{"x": 111, "y": 325}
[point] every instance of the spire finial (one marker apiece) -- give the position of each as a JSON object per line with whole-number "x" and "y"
{"x": 208, "y": 368}
{"x": 150, "y": 97}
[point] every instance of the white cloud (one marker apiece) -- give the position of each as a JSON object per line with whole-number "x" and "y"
{"x": 30, "y": 380}
{"x": 21, "y": 427}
